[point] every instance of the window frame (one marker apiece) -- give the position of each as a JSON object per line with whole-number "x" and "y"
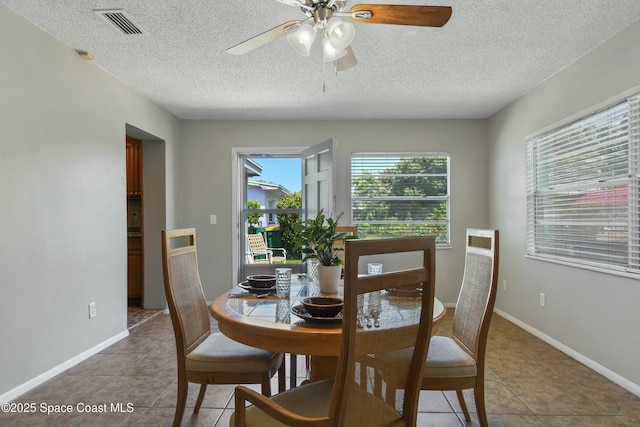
{"x": 446, "y": 243}
{"x": 617, "y": 179}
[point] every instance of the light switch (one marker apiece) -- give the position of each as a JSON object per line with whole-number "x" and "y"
{"x": 212, "y": 219}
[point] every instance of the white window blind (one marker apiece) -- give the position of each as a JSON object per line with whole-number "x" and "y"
{"x": 582, "y": 190}
{"x": 401, "y": 194}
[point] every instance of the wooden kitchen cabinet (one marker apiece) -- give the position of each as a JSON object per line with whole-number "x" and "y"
{"x": 134, "y": 167}
{"x": 135, "y": 269}
{"x": 135, "y": 221}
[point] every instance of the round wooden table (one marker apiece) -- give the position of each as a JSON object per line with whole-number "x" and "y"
{"x": 269, "y": 324}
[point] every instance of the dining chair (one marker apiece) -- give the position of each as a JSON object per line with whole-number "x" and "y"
{"x": 351, "y": 230}
{"x": 204, "y": 357}
{"x": 458, "y": 362}
{"x": 356, "y": 396}
{"x": 259, "y": 253}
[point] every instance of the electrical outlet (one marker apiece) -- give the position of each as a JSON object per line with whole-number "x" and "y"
{"x": 543, "y": 299}
{"x": 92, "y": 310}
{"x": 504, "y": 285}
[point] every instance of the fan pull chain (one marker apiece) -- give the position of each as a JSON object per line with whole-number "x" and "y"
{"x": 324, "y": 74}
{"x": 324, "y": 77}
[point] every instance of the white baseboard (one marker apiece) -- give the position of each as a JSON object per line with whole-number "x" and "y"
{"x": 34, "y": 382}
{"x": 605, "y": 372}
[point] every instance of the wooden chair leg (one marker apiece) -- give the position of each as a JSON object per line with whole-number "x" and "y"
{"x": 480, "y": 408}
{"x": 203, "y": 389}
{"x": 181, "y": 401}
{"x": 463, "y": 405}
{"x": 266, "y": 384}
{"x": 282, "y": 376}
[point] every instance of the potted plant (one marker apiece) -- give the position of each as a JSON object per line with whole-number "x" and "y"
{"x": 317, "y": 238}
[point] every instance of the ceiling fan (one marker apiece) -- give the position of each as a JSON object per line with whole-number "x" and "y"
{"x": 324, "y": 18}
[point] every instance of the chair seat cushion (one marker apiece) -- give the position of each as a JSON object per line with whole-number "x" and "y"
{"x": 309, "y": 400}
{"x": 446, "y": 359}
{"x": 219, "y": 353}
{"x": 313, "y": 400}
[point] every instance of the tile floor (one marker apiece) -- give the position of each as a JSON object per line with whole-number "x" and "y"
{"x": 529, "y": 383}
{"x": 137, "y": 316}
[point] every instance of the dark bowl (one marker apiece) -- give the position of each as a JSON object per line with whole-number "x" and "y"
{"x": 262, "y": 281}
{"x": 323, "y": 306}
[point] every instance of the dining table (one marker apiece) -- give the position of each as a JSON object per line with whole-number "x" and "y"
{"x": 261, "y": 319}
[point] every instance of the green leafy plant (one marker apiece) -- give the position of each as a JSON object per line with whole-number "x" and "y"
{"x": 253, "y": 219}
{"x": 288, "y": 223}
{"x": 317, "y": 237}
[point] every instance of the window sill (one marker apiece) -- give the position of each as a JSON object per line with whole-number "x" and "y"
{"x": 626, "y": 274}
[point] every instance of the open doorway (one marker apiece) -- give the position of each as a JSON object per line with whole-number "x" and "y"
{"x": 135, "y": 222}
{"x": 273, "y": 190}
{"x": 150, "y": 219}
{"x": 271, "y": 208}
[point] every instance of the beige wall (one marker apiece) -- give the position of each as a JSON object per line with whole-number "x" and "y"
{"x": 205, "y": 178}
{"x": 63, "y": 209}
{"x": 591, "y": 313}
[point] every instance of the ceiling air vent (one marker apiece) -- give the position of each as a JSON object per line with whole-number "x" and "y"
{"x": 120, "y": 20}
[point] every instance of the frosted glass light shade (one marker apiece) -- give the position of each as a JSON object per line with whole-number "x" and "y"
{"x": 302, "y": 39}
{"x": 340, "y": 33}
{"x": 329, "y": 52}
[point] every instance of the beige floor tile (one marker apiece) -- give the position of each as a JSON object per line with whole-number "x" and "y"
{"x": 432, "y": 419}
{"x": 216, "y": 397}
{"x": 65, "y": 389}
{"x": 433, "y": 401}
{"x": 156, "y": 364}
{"x": 107, "y": 419}
{"x": 159, "y": 417}
{"x": 139, "y": 391}
{"x": 499, "y": 399}
{"x": 554, "y": 399}
{"x": 509, "y": 420}
{"x": 103, "y": 364}
{"x": 528, "y": 383}
{"x": 612, "y": 397}
{"x": 26, "y": 419}
{"x": 580, "y": 421}
{"x": 630, "y": 420}
{"x": 223, "y": 421}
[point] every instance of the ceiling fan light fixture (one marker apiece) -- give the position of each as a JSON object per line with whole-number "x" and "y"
{"x": 329, "y": 52}
{"x": 302, "y": 39}
{"x": 340, "y": 33}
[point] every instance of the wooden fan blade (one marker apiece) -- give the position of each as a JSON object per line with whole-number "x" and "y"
{"x": 264, "y": 38}
{"x": 347, "y": 61}
{"x": 423, "y": 16}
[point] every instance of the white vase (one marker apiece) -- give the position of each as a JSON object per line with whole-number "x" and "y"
{"x": 329, "y": 278}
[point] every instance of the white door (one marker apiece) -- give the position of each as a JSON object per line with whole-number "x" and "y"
{"x": 318, "y": 183}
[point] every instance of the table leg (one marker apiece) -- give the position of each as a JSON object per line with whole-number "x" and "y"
{"x": 293, "y": 370}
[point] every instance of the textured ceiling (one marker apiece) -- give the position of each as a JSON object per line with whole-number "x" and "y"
{"x": 490, "y": 53}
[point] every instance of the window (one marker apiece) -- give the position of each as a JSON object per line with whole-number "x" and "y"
{"x": 401, "y": 194}
{"x": 583, "y": 191}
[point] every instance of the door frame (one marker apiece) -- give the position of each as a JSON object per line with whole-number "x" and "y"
{"x": 237, "y": 178}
